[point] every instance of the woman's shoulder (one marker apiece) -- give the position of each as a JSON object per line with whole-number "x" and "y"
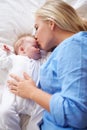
{"x": 81, "y": 34}
{"x": 78, "y": 38}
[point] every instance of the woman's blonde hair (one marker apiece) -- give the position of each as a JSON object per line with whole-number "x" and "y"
{"x": 64, "y": 16}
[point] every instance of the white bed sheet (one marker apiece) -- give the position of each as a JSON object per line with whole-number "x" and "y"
{"x": 16, "y": 18}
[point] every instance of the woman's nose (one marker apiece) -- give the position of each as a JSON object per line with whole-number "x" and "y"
{"x": 35, "y": 38}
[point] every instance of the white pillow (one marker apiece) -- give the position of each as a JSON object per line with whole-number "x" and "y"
{"x": 16, "y": 18}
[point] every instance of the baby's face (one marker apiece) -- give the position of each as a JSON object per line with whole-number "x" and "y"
{"x": 29, "y": 48}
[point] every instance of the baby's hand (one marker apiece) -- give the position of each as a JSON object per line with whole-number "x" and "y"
{"x": 6, "y": 48}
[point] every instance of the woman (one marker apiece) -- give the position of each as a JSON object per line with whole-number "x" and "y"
{"x": 62, "y": 85}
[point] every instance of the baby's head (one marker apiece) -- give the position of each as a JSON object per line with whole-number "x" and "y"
{"x": 27, "y": 46}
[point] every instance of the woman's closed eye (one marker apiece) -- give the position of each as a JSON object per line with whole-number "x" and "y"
{"x": 36, "y": 27}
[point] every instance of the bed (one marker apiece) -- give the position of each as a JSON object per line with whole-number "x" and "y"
{"x": 17, "y": 18}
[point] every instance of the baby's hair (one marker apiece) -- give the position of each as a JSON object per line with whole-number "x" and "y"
{"x": 21, "y": 38}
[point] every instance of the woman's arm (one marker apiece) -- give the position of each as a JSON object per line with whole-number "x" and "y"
{"x": 27, "y": 89}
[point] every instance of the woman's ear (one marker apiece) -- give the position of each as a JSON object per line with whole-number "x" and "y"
{"x": 51, "y": 25}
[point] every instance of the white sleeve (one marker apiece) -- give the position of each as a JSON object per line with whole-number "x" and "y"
{"x": 5, "y": 60}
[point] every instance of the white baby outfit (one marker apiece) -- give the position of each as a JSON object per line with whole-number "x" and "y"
{"x": 12, "y": 106}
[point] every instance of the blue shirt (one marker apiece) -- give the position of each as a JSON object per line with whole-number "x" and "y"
{"x": 64, "y": 76}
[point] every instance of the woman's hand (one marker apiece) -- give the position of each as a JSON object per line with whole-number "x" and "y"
{"x": 26, "y": 88}
{"x": 22, "y": 87}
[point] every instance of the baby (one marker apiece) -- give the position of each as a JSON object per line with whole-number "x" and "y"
{"x": 28, "y": 59}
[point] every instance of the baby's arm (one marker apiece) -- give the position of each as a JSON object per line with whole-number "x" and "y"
{"x": 5, "y": 56}
{"x": 5, "y": 60}
{"x": 5, "y": 65}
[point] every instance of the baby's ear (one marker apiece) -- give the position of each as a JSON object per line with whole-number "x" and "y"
{"x": 21, "y": 48}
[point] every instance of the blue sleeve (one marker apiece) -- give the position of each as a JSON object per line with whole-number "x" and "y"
{"x": 69, "y": 108}
{"x": 67, "y": 112}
